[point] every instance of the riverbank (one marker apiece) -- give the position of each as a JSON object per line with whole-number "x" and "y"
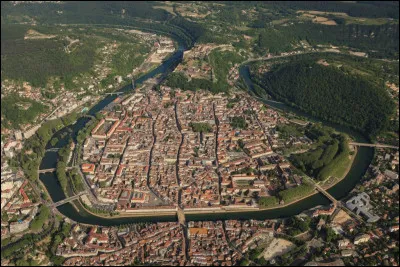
{"x": 217, "y": 210}
{"x": 337, "y": 180}
{"x": 130, "y": 215}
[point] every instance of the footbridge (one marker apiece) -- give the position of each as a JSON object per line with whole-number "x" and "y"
{"x": 373, "y": 145}
{"x": 336, "y": 203}
{"x": 52, "y": 170}
{"x": 325, "y": 193}
{"x": 54, "y": 149}
{"x": 69, "y": 199}
{"x": 114, "y": 93}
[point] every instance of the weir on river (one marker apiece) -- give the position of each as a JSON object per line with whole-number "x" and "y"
{"x": 340, "y": 190}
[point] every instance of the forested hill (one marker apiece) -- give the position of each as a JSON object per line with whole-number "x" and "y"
{"x": 330, "y": 94}
{"x": 140, "y": 14}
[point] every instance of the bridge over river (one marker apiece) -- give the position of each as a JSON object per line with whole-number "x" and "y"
{"x": 337, "y": 204}
{"x": 373, "y": 145}
{"x": 54, "y": 149}
{"x": 69, "y": 199}
{"x": 52, "y": 170}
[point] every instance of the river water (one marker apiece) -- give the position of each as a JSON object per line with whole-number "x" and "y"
{"x": 360, "y": 165}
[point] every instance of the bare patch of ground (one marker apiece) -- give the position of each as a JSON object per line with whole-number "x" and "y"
{"x": 323, "y": 62}
{"x": 323, "y": 20}
{"x": 359, "y": 54}
{"x": 314, "y": 12}
{"x": 32, "y": 34}
{"x": 277, "y": 247}
{"x": 341, "y": 218}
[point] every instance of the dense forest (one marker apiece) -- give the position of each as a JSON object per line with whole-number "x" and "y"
{"x": 330, "y": 94}
{"x": 37, "y": 60}
{"x": 383, "y": 39}
{"x": 141, "y": 15}
{"x": 369, "y": 9}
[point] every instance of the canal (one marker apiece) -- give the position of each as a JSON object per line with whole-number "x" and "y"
{"x": 340, "y": 190}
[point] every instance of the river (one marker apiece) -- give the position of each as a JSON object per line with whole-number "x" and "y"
{"x": 340, "y": 190}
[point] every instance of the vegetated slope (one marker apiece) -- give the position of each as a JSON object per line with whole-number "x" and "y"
{"x": 330, "y": 94}
{"x": 221, "y": 62}
{"x": 140, "y": 14}
{"x": 370, "y": 9}
{"x": 379, "y": 40}
{"x": 14, "y": 115}
{"x": 330, "y": 157}
{"x": 37, "y": 60}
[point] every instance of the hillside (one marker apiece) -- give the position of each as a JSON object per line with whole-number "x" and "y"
{"x": 330, "y": 94}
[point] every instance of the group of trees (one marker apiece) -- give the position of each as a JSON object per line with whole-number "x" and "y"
{"x": 34, "y": 148}
{"x": 179, "y": 80}
{"x": 287, "y": 130}
{"x": 14, "y": 116}
{"x": 238, "y": 122}
{"x": 297, "y": 225}
{"x": 329, "y": 157}
{"x": 16, "y": 250}
{"x": 62, "y": 162}
{"x": 201, "y": 127}
{"x": 129, "y": 56}
{"x": 57, "y": 238}
{"x": 221, "y": 62}
{"x": 267, "y": 202}
{"x": 76, "y": 179}
{"x": 287, "y": 195}
{"x": 331, "y": 95}
{"x": 295, "y": 193}
{"x": 43, "y": 215}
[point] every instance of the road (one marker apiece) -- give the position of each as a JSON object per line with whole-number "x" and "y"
{"x": 216, "y": 153}
{"x": 150, "y": 158}
{"x": 178, "y": 180}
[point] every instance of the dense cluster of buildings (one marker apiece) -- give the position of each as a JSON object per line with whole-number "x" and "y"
{"x": 18, "y": 204}
{"x": 169, "y": 148}
{"x": 164, "y": 243}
